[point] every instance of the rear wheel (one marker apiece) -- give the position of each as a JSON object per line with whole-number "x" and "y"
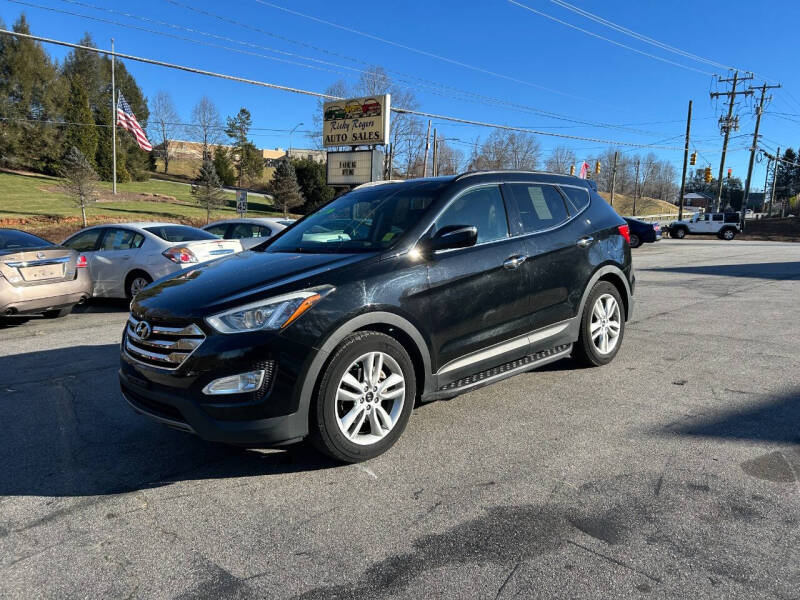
{"x": 136, "y": 281}
{"x": 728, "y": 234}
{"x": 680, "y": 233}
{"x": 602, "y": 326}
{"x": 635, "y": 241}
{"x": 365, "y": 398}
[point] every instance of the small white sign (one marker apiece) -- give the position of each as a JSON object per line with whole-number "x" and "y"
{"x": 353, "y": 168}
{"x": 241, "y": 202}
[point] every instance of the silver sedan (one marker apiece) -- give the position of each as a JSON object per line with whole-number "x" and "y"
{"x": 249, "y": 231}
{"x": 123, "y": 258}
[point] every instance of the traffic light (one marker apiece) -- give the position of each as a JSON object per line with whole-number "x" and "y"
{"x": 707, "y": 175}
{"x": 572, "y": 169}
{"x": 597, "y": 167}
{"x": 730, "y": 173}
{"x": 693, "y": 158}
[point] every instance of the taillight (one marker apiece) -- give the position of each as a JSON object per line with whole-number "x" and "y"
{"x": 625, "y": 231}
{"x": 180, "y": 255}
{"x": 82, "y": 262}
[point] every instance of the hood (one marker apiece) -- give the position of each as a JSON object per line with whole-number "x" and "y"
{"x": 235, "y": 279}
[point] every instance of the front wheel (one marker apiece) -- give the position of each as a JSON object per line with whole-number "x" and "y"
{"x": 602, "y": 326}
{"x": 365, "y": 398}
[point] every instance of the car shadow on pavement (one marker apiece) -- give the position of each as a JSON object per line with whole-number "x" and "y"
{"x": 775, "y": 270}
{"x": 772, "y": 420}
{"x": 103, "y": 305}
{"x": 68, "y": 432}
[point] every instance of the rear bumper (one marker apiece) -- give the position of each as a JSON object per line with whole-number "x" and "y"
{"x": 24, "y": 300}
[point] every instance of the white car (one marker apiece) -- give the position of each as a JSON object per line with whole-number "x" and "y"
{"x": 125, "y": 257}
{"x": 250, "y": 232}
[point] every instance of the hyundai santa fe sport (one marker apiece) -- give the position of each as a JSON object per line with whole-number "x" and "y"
{"x": 392, "y": 294}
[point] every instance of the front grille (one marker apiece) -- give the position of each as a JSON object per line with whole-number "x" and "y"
{"x": 160, "y": 345}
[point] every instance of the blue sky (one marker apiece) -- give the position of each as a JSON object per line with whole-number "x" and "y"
{"x": 586, "y": 79}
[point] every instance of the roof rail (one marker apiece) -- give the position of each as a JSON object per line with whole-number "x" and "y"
{"x": 492, "y": 171}
{"x": 374, "y": 183}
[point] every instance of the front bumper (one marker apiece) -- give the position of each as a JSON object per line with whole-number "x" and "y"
{"x": 269, "y": 416}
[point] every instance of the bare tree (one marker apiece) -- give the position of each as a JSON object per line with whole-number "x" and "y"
{"x": 450, "y": 159}
{"x": 503, "y": 150}
{"x": 207, "y": 124}
{"x": 164, "y": 121}
{"x": 560, "y": 160}
{"x": 80, "y": 180}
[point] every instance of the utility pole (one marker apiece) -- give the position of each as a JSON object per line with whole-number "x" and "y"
{"x": 435, "y": 165}
{"x": 613, "y": 178}
{"x": 728, "y": 123}
{"x": 636, "y": 188}
{"x": 766, "y": 179}
{"x": 685, "y": 161}
{"x": 754, "y": 147}
{"x": 427, "y": 145}
{"x": 113, "y": 124}
{"x": 774, "y": 178}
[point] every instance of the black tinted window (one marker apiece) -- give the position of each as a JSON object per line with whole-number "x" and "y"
{"x": 717, "y": 217}
{"x": 482, "y": 208}
{"x": 180, "y": 233}
{"x": 11, "y": 239}
{"x": 540, "y": 206}
{"x": 217, "y": 230}
{"x": 578, "y": 198}
{"x": 83, "y": 241}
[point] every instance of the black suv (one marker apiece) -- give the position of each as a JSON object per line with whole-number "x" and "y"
{"x": 394, "y": 293}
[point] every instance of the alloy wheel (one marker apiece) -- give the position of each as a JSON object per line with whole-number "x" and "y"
{"x": 370, "y": 398}
{"x": 137, "y": 284}
{"x": 605, "y": 325}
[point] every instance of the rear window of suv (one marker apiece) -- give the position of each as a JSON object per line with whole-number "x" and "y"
{"x": 180, "y": 233}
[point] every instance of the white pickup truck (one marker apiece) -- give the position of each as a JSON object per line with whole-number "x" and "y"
{"x": 724, "y": 225}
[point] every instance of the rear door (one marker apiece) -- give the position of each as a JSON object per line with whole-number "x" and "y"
{"x": 86, "y": 242}
{"x": 115, "y": 255}
{"x": 555, "y": 260}
{"x": 479, "y": 295}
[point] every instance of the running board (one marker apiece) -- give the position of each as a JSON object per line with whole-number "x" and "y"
{"x": 530, "y": 361}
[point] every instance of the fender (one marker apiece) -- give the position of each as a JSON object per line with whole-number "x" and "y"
{"x": 360, "y": 322}
{"x": 601, "y": 272}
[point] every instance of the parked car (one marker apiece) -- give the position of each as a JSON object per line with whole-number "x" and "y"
{"x": 457, "y": 282}
{"x": 249, "y": 231}
{"x": 724, "y": 225}
{"x": 38, "y": 277}
{"x": 643, "y": 232}
{"x": 125, "y": 257}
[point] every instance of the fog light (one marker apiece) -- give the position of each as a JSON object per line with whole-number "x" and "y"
{"x": 236, "y": 384}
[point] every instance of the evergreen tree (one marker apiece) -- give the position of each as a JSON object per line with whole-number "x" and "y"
{"x": 80, "y": 130}
{"x": 237, "y": 128}
{"x": 80, "y": 180}
{"x": 312, "y": 179}
{"x": 251, "y": 163}
{"x": 284, "y": 187}
{"x": 207, "y": 189}
{"x": 223, "y": 165}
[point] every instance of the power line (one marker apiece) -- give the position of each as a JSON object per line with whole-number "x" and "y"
{"x": 417, "y": 50}
{"x": 275, "y": 86}
{"x": 605, "y": 39}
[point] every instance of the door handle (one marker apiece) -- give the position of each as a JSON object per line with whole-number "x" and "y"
{"x": 512, "y": 262}
{"x": 585, "y": 242}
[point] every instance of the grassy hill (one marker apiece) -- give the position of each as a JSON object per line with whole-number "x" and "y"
{"x": 644, "y": 206}
{"x": 34, "y": 203}
{"x": 186, "y": 168}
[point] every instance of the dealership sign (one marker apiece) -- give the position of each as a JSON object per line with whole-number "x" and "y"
{"x": 353, "y": 168}
{"x": 356, "y": 122}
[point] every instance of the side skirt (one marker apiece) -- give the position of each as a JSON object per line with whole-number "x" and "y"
{"x": 509, "y": 369}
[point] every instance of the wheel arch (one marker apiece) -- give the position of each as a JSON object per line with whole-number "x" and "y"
{"x": 616, "y": 277}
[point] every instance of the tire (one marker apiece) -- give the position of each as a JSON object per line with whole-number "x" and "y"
{"x": 135, "y": 282}
{"x": 588, "y": 351}
{"x": 635, "y": 241}
{"x": 57, "y": 313}
{"x": 344, "y": 415}
{"x": 727, "y": 234}
{"x": 679, "y": 233}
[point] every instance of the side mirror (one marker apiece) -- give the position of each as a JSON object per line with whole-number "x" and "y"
{"x": 453, "y": 236}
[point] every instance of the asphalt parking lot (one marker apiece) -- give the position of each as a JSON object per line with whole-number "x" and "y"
{"x": 673, "y": 472}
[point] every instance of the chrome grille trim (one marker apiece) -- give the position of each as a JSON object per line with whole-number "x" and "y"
{"x": 168, "y": 353}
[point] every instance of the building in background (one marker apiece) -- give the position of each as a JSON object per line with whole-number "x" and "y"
{"x": 697, "y": 200}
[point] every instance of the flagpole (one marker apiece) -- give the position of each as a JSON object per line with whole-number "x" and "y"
{"x": 113, "y": 123}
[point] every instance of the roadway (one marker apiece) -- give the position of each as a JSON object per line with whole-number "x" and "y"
{"x": 674, "y": 471}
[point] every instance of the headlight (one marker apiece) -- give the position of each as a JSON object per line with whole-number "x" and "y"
{"x": 265, "y": 315}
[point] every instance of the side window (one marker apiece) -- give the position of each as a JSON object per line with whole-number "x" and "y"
{"x": 577, "y": 198}
{"x": 84, "y": 241}
{"x": 482, "y": 208}
{"x": 244, "y": 231}
{"x": 264, "y": 231}
{"x": 218, "y": 230}
{"x": 717, "y": 217}
{"x": 121, "y": 239}
{"x": 540, "y": 206}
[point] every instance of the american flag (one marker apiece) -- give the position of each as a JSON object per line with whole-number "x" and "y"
{"x": 127, "y": 120}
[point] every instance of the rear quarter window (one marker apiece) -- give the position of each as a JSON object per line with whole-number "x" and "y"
{"x": 577, "y": 198}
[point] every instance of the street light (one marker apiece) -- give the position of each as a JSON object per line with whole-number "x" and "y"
{"x": 291, "y": 133}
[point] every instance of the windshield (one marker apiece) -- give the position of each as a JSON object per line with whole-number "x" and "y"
{"x": 180, "y": 233}
{"x": 13, "y": 239}
{"x": 365, "y": 220}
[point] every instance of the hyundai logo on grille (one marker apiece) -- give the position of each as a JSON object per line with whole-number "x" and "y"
{"x": 142, "y": 330}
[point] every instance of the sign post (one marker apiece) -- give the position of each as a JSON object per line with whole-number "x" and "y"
{"x": 241, "y": 202}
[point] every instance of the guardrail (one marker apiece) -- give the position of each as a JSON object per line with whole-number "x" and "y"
{"x": 663, "y": 218}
